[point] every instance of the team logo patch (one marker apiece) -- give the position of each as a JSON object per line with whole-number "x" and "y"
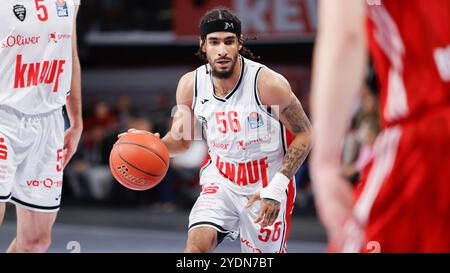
{"x": 255, "y": 120}
{"x": 61, "y": 9}
{"x": 20, "y": 11}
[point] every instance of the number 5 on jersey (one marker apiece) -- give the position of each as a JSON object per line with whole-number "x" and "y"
{"x": 59, "y": 160}
{"x": 229, "y": 120}
{"x": 43, "y": 15}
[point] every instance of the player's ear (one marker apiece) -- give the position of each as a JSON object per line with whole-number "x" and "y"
{"x": 241, "y": 41}
{"x": 202, "y": 44}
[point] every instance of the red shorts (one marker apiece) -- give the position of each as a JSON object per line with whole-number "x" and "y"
{"x": 403, "y": 203}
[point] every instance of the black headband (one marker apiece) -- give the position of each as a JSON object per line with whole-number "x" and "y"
{"x": 220, "y": 25}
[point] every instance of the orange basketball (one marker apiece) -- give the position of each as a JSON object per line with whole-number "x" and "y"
{"x": 139, "y": 160}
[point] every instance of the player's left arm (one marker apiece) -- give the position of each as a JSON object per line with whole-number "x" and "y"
{"x": 73, "y": 104}
{"x": 275, "y": 91}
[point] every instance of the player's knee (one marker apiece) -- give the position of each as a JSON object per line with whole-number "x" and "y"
{"x": 2, "y": 212}
{"x": 201, "y": 240}
{"x": 37, "y": 243}
{"x": 192, "y": 248}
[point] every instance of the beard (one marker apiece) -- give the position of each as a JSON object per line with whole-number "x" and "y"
{"x": 225, "y": 74}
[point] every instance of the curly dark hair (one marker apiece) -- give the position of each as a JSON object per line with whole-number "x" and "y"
{"x": 221, "y": 13}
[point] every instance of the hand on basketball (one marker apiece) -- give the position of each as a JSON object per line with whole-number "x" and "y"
{"x": 132, "y": 130}
{"x": 268, "y": 211}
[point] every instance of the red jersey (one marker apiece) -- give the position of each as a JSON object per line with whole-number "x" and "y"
{"x": 410, "y": 46}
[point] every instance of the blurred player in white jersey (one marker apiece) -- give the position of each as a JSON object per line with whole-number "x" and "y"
{"x": 39, "y": 74}
{"x": 258, "y": 136}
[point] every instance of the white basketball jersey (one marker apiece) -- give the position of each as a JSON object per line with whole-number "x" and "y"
{"x": 246, "y": 142}
{"x": 35, "y": 54}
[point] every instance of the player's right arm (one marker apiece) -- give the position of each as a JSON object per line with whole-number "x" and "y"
{"x": 181, "y": 134}
{"x": 73, "y": 104}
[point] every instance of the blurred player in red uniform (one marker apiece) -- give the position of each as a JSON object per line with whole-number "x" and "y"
{"x": 403, "y": 204}
{"x": 39, "y": 74}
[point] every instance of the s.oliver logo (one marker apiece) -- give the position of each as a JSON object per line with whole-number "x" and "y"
{"x": 47, "y": 183}
{"x": 19, "y": 40}
{"x": 221, "y": 146}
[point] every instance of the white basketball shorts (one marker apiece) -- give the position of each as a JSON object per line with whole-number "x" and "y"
{"x": 222, "y": 209}
{"x": 31, "y": 159}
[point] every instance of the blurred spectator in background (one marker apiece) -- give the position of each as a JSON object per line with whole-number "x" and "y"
{"x": 103, "y": 123}
{"x": 102, "y": 116}
{"x": 357, "y": 150}
{"x": 184, "y": 171}
{"x": 89, "y": 175}
{"x": 161, "y": 112}
{"x": 123, "y": 111}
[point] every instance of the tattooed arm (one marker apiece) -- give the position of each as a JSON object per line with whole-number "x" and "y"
{"x": 276, "y": 92}
{"x": 296, "y": 121}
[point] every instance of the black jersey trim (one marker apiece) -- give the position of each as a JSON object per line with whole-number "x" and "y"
{"x": 241, "y": 76}
{"x": 32, "y": 205}
{"x": 207, "y": 223}
{"x": 268, "y": 111}
{"x": 221, "y": 232}
{"x": 195, "y": 91}
{"x": 283, "y": 137}
{"x": 5, "y": 197}
{"x": 204, "y": 167}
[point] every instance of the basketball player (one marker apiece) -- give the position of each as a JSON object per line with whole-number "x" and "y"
{"x": 247, "y": 180}
{"x": 39, "y": 68}
{"x": 404, "y": 204}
